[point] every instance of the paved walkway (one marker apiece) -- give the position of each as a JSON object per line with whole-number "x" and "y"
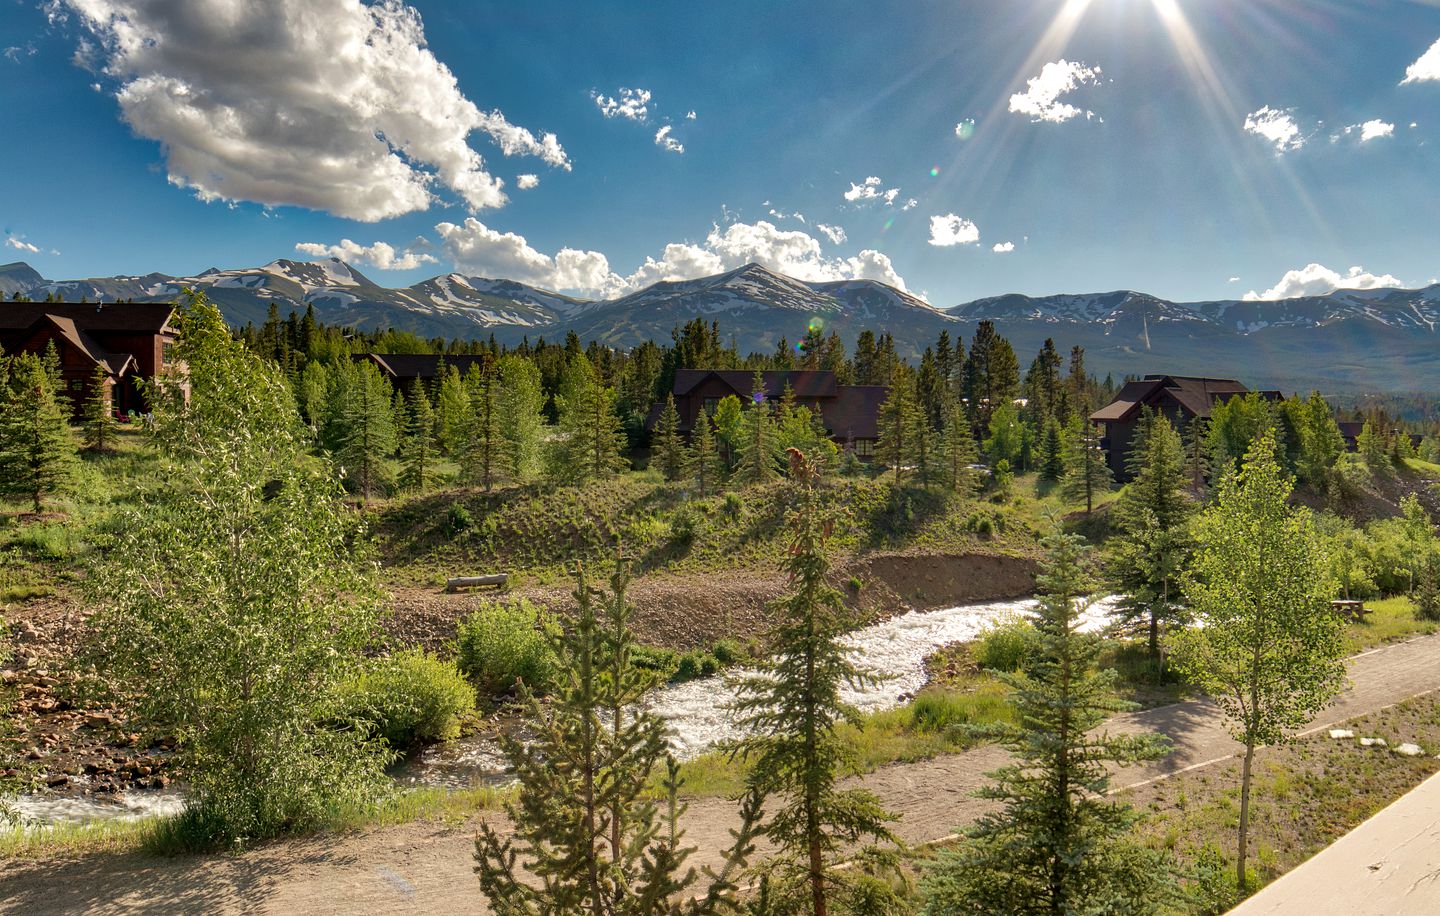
{"x": 427, "y": 867}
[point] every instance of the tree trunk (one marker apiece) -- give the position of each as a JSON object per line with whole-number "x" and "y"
{"x": 1244, "y": 816}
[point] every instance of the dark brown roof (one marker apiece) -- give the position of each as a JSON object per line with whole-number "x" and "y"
{"x": 806, "y": 383}
{"x": 113, "y": 317}
{"x": 114, "y": 363}
{"x": 1196, "y": 394}
{"x": 419, "y": 365}
{"x": 855, "y": 412}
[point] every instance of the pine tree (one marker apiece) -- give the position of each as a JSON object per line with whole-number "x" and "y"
{"x": 98, "y": 415}
{"x": 704, "y": 465}
{"x": 1197, "y": 456}
{"x": 899, "y": 426}
{"x": 1052, "y": 452}
{"x": 1057, "y": 845}
{"x": 759, "y": 450}
{"x": 452, "y": 411}
{"x": 361, "y": 428}
{"x": 790, "y": 708}
{"x": 418, "y": 449}
{"x": 668, "y": 448}
{"x": 37, "y": 453}
{"x": 590, "y": 440}
{"x": 1152, "y": 544}
{"x": 585, "y": 820}
{"x": 1269, "y": 651}
{"x": 957, "y": 451}
{"x": 1087, "y": 473}
{"x": 483, "y": 460}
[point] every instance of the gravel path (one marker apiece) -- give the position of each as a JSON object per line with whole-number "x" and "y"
{"x": 426, "y": 867}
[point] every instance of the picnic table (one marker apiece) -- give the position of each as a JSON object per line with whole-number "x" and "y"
{"x": 1350, "y": 610}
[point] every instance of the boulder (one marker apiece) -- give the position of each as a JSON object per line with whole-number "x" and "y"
{"x": 1374, "y": 742}
{"x": 1341, "y": 733}
{"x": 1409, "y": 750}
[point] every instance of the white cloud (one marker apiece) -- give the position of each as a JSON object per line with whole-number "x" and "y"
{"x": 475, "y": 248}
{"x": 1233, "y": 280}
{"x": 1372, "y": 130}
{"x": 1317, "y": 280}
{"x": 871, "y": 189}
{"x": 1041, "y": 98}
{"x": 690, "y": 115}
{"x": 631, "y": 104}
{"x": 331, "y": 104}
{"x": 526, "y": 182}
{"x": 950, "y": 230}
{"x": 1003, "y": 247}
{"x": 380, "y": 255}
{"x": 835, "y": 234}
{"x": 1277, "y": 126}
{"x": 21, "y": 244}
{"x": 910, "y": 204}
{"x": 1426, "y": 69}
{"x": 667, "y": 142}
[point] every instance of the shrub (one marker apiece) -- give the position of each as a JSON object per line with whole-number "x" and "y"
{"x": 732, "y": 506}
{"x": 729, "y": 652}
{"x": 1006, "y": 644}
{"x": 503, "y": 643}
{"x": 409, "y": 698}
{"x": 684, "y": 525}
{"x": 457, "y": 519}
{"x": 1212, "y": 882}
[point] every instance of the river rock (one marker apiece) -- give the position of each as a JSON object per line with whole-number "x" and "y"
{"x": 1374, "y": 742}
{"x": 1341, "y": 733}
{"x": 1409, "y": 750}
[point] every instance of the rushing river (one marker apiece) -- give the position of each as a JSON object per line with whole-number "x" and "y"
{"x": 696, "y": 710}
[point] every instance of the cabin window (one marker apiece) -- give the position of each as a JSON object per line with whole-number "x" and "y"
{"x": 711, "y": 405}
{"x": 865, "y": 448}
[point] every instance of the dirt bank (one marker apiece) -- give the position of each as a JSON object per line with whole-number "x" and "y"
{"x": 690, "y": 610}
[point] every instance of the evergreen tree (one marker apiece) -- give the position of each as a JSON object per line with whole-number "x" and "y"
{"x": 957, "y": 452}
{"x": 1052, "y": 452}
{"x": 1151, "y": 546}
{"x": 37, "y": 452}
{"x": 362, "y": 427}
{"x": 668, "y": 448}
{"x": 705, "y": 464}
{"x": 483, "y": 460}
{"x": 729, "y": 422}
{"x": 759, "y": 449}
{"x": 1269, "y": 650}
{"x": 585, "y": 819}
{"x": 589, "y": 442}
{"x": 899, "y": 422}
{"x": 1197, "y": 455}
{"x": 312, "y": 393}
{"x": 790, "y": 708}
{"x": 519, "y": 407}
{"x": 418, "y": 448}
{"x": 1087, "y": 473}
{"x": 1057, "y": 845}
{"x": 1006, "y": 436}
{"x": 452, "y": 411}
{"x": 98, "y": 415}
{"x": 991, "y": 375}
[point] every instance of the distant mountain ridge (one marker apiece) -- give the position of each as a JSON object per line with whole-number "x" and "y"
{"x": 1348, "y": 340}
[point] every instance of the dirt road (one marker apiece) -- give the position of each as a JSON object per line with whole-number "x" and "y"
{"x": 427, "y": 867}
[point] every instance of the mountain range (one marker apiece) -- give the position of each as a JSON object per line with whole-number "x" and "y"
{"x": 1347, "y": 341}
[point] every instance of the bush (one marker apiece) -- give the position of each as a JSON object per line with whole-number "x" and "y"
{"x": 684, "y": 525}
{"x": 732, "y": 506}
{"x": 1211, "y": 887}
{"x": 409, "y": 698}
{"x": 457, "y": 519}
{"x": 1006, "y": 644}
{"x": 503, "y": 643}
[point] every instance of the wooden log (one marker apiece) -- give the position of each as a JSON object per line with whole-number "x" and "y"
{"x": 497, "y": 580}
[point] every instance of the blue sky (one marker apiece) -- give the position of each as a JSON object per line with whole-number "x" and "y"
{"x": 1194, "y": 149}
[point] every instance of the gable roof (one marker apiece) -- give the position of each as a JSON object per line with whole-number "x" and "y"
{"x": 115, "y": 317}
{"x": 807, "y": 383}
{"x": 855, "y": 412}
{"x": 65, "y": 329}
{"x": 1196, "y": 394}
{"x": 420, "y": 365}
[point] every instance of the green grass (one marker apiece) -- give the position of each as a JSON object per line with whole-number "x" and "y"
{"x": 1390, "y": 620}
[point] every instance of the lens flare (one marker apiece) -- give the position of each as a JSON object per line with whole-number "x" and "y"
{"x": 935, "y": 171}
{"x": 888, "y": 223}
{"x": 964, "y": 130}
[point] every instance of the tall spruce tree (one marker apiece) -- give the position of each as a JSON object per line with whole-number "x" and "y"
{"x": 1087, "y": 472}
{"x": 521, "y": 422}
{"x": 37, "y": 452}
{"x": 759, "y": 448}
{"x": 483, "y": 460}
{"x": 1152, "y": 543}
{"x": 668, "y": 449}
{"x": 588, "y": 446}
{"x": 585, "y": 819}
{"x": 1270, "y": 648}
{"x": 1058, "y": 844}
{"x": 98, "y": 413}
{"x": 899, "y": 422}
{"x": 958, "y": 452}
{"x": 362, "y": 427}
{"x": 705, "y": 465}
{"x": 1052, "y": 452}
{"x": 790, "y": 709}
{"x": 418, "y": 447}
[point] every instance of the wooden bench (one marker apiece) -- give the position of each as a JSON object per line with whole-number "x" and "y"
{"x": 1350, "y": 610}
{"x": 495, "y": 580}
